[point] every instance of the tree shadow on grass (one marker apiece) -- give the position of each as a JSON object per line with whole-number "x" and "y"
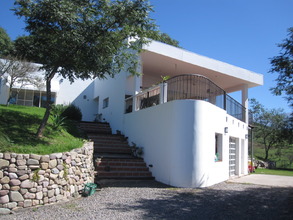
{"x": 251, "y": 202}
{"x": 19, "y": 128}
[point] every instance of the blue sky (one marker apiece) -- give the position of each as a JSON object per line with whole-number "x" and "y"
{"x": 243, "y": 33}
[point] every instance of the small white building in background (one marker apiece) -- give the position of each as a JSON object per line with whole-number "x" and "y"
{"x": 193, "y": 133}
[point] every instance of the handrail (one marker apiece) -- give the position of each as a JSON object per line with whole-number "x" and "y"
{"x": 188, "y": 86}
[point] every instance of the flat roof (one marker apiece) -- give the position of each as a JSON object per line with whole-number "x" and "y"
{"x": 162, "y": 59}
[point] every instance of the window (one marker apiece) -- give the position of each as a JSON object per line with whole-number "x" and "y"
{"x": 218, "y": 147}
{"x": 105, "y": 102}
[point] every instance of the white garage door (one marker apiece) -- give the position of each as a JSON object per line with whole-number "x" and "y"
{"x": 232, "y": 156}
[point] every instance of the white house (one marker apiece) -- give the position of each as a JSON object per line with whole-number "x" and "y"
{"x": 193, "y": 133}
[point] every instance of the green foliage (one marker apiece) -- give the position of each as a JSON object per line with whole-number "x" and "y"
{"x": 165, "y": 38}
{"x": 6, "y": 44}
{"x": 36, "y": 176}
{"x": 72, "y": 112}
{"x": 274, "y": 172}
{"x": 269, "y": 126}
{"x": 82, "y": 38}
{"x": 283, "y": 65}
{"x": 136, "y": 151}
{"x": 17, "y": 132}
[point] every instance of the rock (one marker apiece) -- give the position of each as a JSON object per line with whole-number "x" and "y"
{"x": 32, "y": 162}
{"x": 60, "y": 167}
{"x": 3, "y": 163}
{"x": 4, "y": 199}
{"x": 19, "y": 157}
{"x": 55, "y": 171}
{"x": 12, "y": 175}
{"x": 45, "y": 184}
{"x": 27, "y": 184}
{"x": 15, "y": 196}
{"x": 53, "y": 176}
{"x": 5, "y": 180}
{"x": 39, "y": 195}
{"x": 33, "y": 190}
{"x": 1, "y": 174}
{"x": 34, "y": 167}
{"x": 27, "y": 203}
{"x": 12, "y": 169}
{"x": 44, "y": 166}
{"x": 45, "y": 158}
{"x": 22, "y": 169}
{"x": 21, "y": 162}
{"x": 4, "y": 192}
{"x": 56, "y": 156}
{"x": 36, "y": 202}
{"x": 23, "y": 177}
{"x": 5, "y": 186}
{"x": 15, "y": 188}
{"x": 52, "y": 163}
{"x": 1, "y": 155}
{"x": 15, "y": 182}
{"x": 12, "y": 160}
{"x": 57, "y": 191}
{"x": 51, "y": 193}
{"x": 35, "y": 156}
{"x": 26, "y": 156}
{"x": 7, "y": 156}
{"x": 29, "y": 195}
{"x": 4, "y": 211}
{"x": 23, "y": 191}
{"x": 11, "y": 205}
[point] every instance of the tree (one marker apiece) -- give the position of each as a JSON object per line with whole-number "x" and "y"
{"x": 5, "y": 43}
{"x": 21, "y": 73}
{"x": 83, "y": 38}
{"x": 269, "y": 126}
{"x": 283, "y": 64}
{"x": 165, "y": 38}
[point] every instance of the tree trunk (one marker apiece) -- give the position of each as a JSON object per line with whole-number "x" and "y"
{"x": 48, "y": 104}
{"x": 267, "y": 154}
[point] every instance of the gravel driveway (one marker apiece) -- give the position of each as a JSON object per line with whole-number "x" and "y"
{"x": 152, "y": 200}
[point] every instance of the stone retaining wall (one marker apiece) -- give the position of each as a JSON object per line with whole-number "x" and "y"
{"x": 29, "y": 180}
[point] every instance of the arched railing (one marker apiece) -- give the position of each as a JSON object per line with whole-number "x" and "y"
{"x": 189, "y": 86}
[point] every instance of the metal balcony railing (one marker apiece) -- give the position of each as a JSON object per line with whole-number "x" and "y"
{"x": 190, "y": 86}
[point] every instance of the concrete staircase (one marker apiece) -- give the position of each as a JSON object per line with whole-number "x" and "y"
{"x": 112, "y": 154}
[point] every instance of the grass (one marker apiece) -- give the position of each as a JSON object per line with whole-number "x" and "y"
{"x": 281, "y": 156}
{"x": 18, "y": 125}
{"x": 274, "y": 172}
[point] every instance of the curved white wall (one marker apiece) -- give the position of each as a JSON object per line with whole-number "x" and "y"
{"x": 179, "y": 141}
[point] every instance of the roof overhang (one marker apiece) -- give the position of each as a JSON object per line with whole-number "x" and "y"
{"x": 159, "y": 59}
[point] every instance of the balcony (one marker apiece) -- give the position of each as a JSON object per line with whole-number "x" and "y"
{"x": 189, "y": 86}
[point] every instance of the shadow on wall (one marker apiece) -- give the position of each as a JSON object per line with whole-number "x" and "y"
{"x": 230, "y": 201}
{"x": 87, "y": 104}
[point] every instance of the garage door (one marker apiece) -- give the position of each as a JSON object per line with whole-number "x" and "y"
{"x": 232, "y": 156}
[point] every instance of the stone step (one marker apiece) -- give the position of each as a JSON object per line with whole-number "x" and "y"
{"x": 128, "y": 162}
{"x": 123, "y": 175}
{"x": 114, "y": 150}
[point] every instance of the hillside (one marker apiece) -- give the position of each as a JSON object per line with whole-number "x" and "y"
{"x": 18, "y": 125}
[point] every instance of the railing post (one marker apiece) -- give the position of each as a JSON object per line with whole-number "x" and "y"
{"x": 225, "y": 101}
{"x": 163, "y": 92}
{"x": 134, "y": 103}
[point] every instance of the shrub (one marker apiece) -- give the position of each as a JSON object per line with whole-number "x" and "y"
{"x": 72, "y": 112}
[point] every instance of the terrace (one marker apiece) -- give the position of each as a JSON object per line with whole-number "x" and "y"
{"x": 188, "y": 86}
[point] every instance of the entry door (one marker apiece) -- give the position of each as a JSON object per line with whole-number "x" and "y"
{"x": 232, "y": 157}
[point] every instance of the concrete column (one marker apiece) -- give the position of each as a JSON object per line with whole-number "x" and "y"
{"x": 163, "y": 92}
{"x": 245, "y": 100}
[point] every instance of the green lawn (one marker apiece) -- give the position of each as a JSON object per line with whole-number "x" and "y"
{"x": 274, "y": 172}
{"x": 18, "y": 125}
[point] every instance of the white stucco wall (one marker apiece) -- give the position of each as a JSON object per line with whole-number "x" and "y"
{"x": 178, "y": 138}
{"x": 79, "y": 93}
{"x": 115, "y": 90}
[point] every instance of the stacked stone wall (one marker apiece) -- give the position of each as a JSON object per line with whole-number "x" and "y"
{"x": 28, "y": 180}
